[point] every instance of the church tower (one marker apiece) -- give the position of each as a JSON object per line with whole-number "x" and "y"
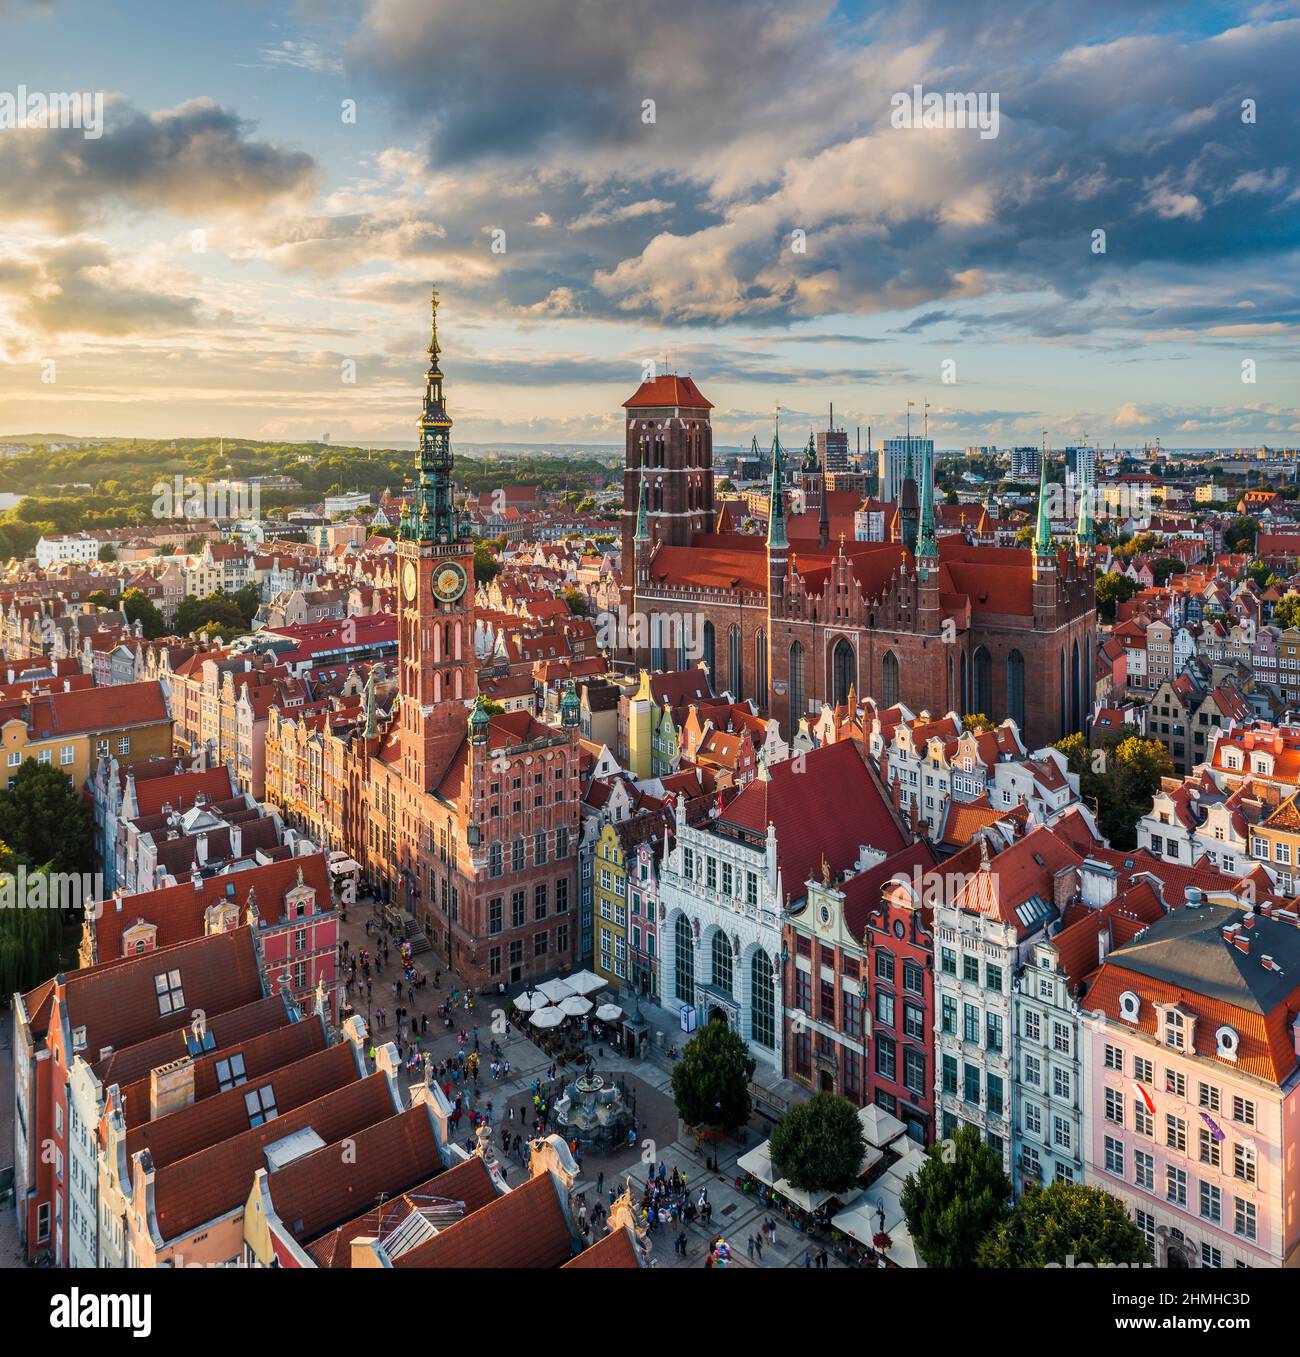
{"x": 1044, "y": 563}
{"x": 669, "y": 455}
{"x": 908, "y": 508}
{"x": 927, "y": 555}
{"x": 437, "y": 676}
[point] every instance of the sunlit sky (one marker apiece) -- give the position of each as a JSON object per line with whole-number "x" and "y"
{"x": 234, "y": 240}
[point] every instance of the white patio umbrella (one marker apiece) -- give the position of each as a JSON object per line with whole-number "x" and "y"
{"x": 547, "y": 1017}
{"x": 574, "y": 1006}
{"x": 531, "y": 1000}
{"x": 585, "y": 982}
{"x": 555, "y": 990}
{"x": 609, "y": 1013}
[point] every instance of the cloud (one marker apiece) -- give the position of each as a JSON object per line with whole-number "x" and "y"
{"x": 197, "y": 159}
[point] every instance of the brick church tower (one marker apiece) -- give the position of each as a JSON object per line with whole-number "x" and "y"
{"x": 670, "y": 450}
{"x": 437, "y": 678}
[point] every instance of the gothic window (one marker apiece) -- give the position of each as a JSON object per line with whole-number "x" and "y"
{"x": 796, "y": 687}
{"x": 685, "y": 967}
{"x": 1016, "y": 688}
{"x": 982, "y": 686}
{"x": 735, "y": 659}
{"x": 889, "y": 680}
{"x": 844, "y": 666}
{"x": 1076, "y": 694}
{"x": 760, "y": 666}
{"x": 708, "y": 652}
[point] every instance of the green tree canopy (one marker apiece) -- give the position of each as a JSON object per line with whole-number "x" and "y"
{"x": 486, "y": 564}
{"x": 44, "y": 821}
{"x": 1062, "y": 1221}
{"x": 819, "y": 1145}
{"x": 220, "y": 610}
{"x": 977, "y": 721}
{"x": 958, "y": 1198}
{"x": 1287, "y": 612}
{"x": 139, "y": 607}
{"x": 1112, "y": 590}
{"x": 711, "y": 1080}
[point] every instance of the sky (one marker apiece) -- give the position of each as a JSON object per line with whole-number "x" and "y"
{"x": 593, "y": 186}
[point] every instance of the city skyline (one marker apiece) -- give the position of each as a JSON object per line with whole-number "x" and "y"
{"x": 240, "y": 233}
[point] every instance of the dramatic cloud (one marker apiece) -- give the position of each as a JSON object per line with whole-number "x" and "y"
{"x": 197, "y": 159}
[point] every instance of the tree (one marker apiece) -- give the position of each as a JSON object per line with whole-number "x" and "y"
{"x": 108, "y": 552}
{"x": 1239, "y": 535}
{"x": 44, "y": 821}
{"x": 1062, "y": 1221}
{"x": 1112, "y": 590}
{"x": 819, "y": 1145}
{"x": 247, "y": 600}
{"x": 139, "y": 607}
{"x": 1024, "y": 535}
{"x": 1287, "y": 612}
{"x": 1164, "y": 567}
{"x": 726, "y": 485}
{"x": 217, "y": 612}
{"x": 577, "y": 602}
{"x": 29, "y": 940}
{"x": 976, "y": 721}
{"x": 1119, "y": 777}
{"x": 711, "y": 1080}
{"x": 486, "y": 565}
{"x": 957, "y": 1199}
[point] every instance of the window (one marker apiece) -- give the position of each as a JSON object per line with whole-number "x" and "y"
{"x": 993, "y": 1031}
{"x": 1208, "y": 1147}
{"x": 1033, "y": 1119}
{"x": 1176, "y": 1133}
{"x": 914, "y": 1071}
{"x": 1176, "y": 1185}
{"x": 1033, "y": 1025}
{"x": 1114, "y": 1156}
{"x": 539, "y": 901}
{"x": 993, "y": 1091}
{"x": 1211, "y": 1256}
{"x": 948, "y": 1015}
{"x": 1061, "y": 1038}
{"x": 1175, "y": 1034}
{"x": 885, "y": 966}
{"x": 1033, "y": 1070}
{"x": 913, "y": 978}
{"x": 947, "y": 961}
{"x": 970, "y": 1023}
{"x": 993, "y": 977}
{"x": 1146, "y": 1224}
{"x": 971, "y": 1074}
{"x": 1243, "y": 1110}
{"x": 1176, "y": 1083}
{"x": 970, "y": 969}
{"x": 720, "y": 953}
{"x": 1243, "y": 1219}
{"x": 1208, "y": 1097}
{"x": 171, "y": 998}
{"x": 1114, "y": 1058}
{"x": 1243, "y": 1162}
{"x": 1141, "y": 1069}
{"x": 1115, "y": 1106}
{"x": 1211, "y": 1203}
{"x": 914, "y": 1022}
{"x": 1061, "y": 1085}
{"x": 517, "y": 909}
{"x": 1144, "y": 1170}
{"x": 885, "y": 1008}
{"x": 230, "y": 1072}
{"x": 260, "y": 1104}
{"x": 685, "y": 969}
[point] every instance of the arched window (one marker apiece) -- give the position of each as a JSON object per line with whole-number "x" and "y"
{"x": 763, "y": 1002}
{"x": 760, "y": 666}
{"x": 721, "y": 952}
{"x": 685, "y": 967}
{"x": 981, "y": 698}
{"x": 1076, "y": 691}
{"x": 708, "y": 653}
{"x": 1016, "y": 688}
{"x": 796, "y": 687}
{"x": 656, "y": 644}
{"x": 889, "y": 680}
{"x": 844, "y": 665}
{"x": 736, "y": 661}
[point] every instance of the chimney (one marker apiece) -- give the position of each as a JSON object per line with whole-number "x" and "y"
{"x": 171, "y": 1087}
{"x": 366, "y": 1251}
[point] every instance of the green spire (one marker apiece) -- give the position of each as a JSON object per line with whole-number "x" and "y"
{"x": 434, "y": 517}
{"x": 570, "y": 706}
{"x": 926, "y": 545}
{"x": 642, "y": 518}
{"x": 372, "y": 724}
{"x": 1043, "y": 530}
{"x": 479, "y": 720}
{"x": 1085, "y": 531}
{"x": 776, "y": 535}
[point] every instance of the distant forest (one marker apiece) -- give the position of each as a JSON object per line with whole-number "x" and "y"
{"x": 111, "y": 485}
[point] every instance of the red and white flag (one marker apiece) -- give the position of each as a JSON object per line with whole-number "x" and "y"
{"x": 1140, "y": 1090}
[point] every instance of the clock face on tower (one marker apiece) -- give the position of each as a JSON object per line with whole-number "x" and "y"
{"x": 449, "y": 582}
{"x": 410, "y": 580}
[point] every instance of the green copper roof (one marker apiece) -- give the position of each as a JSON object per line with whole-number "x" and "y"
{"x": 776, "y": 535}
{"x": 1043, "y": 530}
{"x": 926, "y": 545}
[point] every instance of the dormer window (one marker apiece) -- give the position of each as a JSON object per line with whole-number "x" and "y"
{"x": 1226, "y": 1042}
{"x": 1175, "y": 1031}
{"x": 1130, "y": 1006}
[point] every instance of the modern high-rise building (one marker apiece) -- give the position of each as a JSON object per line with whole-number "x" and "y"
{"x": 1025, "y": 463}
{"x": 893, "y": 463}
{"x": 1080, "y": 466}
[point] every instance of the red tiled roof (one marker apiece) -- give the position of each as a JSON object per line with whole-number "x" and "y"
{"x": 666, "y": 391}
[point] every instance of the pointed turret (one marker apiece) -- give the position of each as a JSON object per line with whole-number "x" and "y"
{"x": 926, "y": 543}
{"x": 570, "y": 706}
{"x": 642, "y": 517}
{"x": 479, "y": 720}
{"x": 1043, "y": 528}
{"x": 776, "y": 533}
{"x": 434, "y": 517}
{"x": 908, "y": 509}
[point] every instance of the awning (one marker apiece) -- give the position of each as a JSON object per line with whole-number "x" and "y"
{"x": 879, "y": 1126}
{"x": 609, "y": 1013}
{"x": 574, "y": 1006}
{"x": 758, "y": 1162}
{"x": 346, "y": 865}
{"x": 547, "y": 1017}
{"x": 530, "y": 1000}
